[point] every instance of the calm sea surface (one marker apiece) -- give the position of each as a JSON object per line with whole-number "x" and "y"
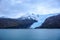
{"x": 29, "y": 34}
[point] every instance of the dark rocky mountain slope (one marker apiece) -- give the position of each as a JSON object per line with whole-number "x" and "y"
{"x": 7, "y": 23}
{"x": 51, "y": 22}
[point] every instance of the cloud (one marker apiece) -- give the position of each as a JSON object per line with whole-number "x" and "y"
{"x": 14, "y": 8}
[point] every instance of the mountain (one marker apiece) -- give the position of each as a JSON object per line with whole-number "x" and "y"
{"x": 7, "y": 23}
{"x": 41, "y": 19}
{"x": 51, "y": 22}
{"x": 26, "y": 21}
{"x": 29, "y": 16}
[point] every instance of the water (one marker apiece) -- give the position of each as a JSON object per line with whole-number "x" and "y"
{"x": 29, "y": 34}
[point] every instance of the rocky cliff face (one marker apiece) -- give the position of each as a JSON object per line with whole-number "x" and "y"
{"x": 51, "y": 22}
{"x": 15, "y": 23}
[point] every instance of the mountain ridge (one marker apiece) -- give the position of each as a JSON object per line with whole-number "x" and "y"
{"x": 51, "y": 22}
{"x": 8, "y": 23}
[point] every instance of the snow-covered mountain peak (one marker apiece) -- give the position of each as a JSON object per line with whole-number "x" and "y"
{"x": 30, "y": 16}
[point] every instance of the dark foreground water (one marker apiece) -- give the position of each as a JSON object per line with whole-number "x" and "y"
{"x": 29, "y": 34}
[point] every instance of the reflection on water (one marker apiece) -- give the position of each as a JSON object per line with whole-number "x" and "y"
{"x": 29, "y": 34}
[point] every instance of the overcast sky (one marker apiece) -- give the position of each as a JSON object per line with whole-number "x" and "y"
{"x": 17, "y": 8}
